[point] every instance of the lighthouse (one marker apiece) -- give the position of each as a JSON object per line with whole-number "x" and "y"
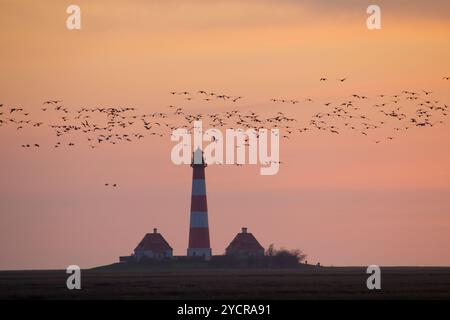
{"x": 198, "y": 227}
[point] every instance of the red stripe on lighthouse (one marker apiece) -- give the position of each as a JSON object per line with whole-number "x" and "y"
{"x": 199, "y": 174}
{"x": 198, "y": 238}
{"x": 198, "y": 203}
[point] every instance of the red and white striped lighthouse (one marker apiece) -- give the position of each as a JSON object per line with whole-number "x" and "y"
{"x": 198, "y": 229}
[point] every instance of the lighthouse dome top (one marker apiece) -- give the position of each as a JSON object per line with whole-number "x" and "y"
{"x": 197, "y": 158}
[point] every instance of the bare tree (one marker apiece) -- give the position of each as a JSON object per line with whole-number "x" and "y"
{"x": 271, "y": 250}
{"x": 285, "y": 257}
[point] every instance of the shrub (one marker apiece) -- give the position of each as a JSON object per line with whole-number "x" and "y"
{"x": 284, "y": 257}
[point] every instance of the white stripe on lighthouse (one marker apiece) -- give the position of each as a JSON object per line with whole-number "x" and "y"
{"x": 199, "y": 219}
{"x": 198, "y": 187}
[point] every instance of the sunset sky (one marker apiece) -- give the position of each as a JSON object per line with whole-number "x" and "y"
{"x": 342, "y": 199}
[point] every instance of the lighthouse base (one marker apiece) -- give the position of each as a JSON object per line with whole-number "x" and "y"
{"x": 199, "y": 252}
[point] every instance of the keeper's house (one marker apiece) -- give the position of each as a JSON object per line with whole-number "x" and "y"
{"x": 244, "y": 244}
{"x": 152, "y": 246}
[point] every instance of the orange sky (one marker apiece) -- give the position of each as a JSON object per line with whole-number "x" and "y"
{"x": 342, "y": 199}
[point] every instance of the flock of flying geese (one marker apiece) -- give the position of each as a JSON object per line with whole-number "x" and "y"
{"x": 357, "y": 113}
{"x": 206, "y": 96}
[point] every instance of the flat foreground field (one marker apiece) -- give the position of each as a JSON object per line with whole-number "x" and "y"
{"x": 314, "y": 283}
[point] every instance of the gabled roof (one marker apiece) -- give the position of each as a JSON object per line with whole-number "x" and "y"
{"x": 154, "y": 242}
{"x": 245, "y": 241}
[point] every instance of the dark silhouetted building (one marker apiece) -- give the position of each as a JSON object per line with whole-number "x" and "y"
{"x": 244, "y": 244}
{"x": 153, "y": 246}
